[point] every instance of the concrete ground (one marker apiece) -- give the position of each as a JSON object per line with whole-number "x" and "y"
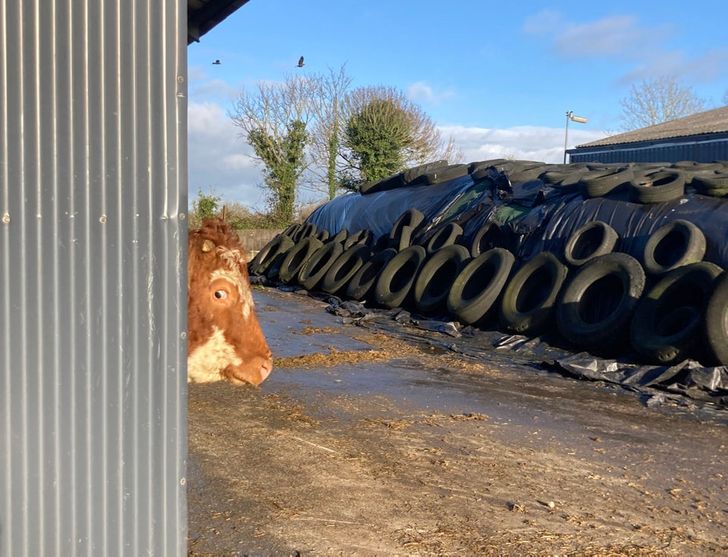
{"x": 366, "y": 443}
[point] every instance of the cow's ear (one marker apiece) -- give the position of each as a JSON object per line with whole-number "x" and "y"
{"x": 208, "y": 245}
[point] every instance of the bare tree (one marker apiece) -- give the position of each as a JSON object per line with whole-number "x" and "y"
{"x": 273, "y": 121}
{"x": 329, "y": 93}
{"x": 298, "y": 131}
{"x": 658, "y": 100}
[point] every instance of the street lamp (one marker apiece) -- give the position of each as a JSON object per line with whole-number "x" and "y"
{"x": 579, "y": 120}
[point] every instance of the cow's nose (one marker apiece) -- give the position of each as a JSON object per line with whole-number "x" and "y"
{"x": 265, "y": 368}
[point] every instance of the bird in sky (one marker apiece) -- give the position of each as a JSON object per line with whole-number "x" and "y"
{"x": 216, "y": 63}
{"x": 300, "y": 62}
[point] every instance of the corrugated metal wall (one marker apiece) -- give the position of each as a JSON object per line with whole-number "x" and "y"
{"x": 92, "y": 268}
{"x": 707, "y": 151}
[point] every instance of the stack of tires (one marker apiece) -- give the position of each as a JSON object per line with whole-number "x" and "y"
{"x": 666, "y": 304}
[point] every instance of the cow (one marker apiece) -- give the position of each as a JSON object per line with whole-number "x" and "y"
{"x": 225, "y": 341}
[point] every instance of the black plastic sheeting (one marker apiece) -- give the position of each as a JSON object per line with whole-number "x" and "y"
{"x": 378, "y": 211}
{"x": 540, "y": 217}
{"x": 553, "y": 223}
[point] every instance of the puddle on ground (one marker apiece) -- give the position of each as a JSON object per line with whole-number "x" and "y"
{"x": 317, "y": 357}
{"x": 297, "y": 329}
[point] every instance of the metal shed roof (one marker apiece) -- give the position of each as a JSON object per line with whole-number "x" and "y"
{"x": 704, "y": 123}
{"x": 203, "y": 15}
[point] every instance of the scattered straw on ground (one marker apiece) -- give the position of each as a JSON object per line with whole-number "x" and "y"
{"x": 318, "y": 331}
{"x": 385, "y": 348}
{"x": 332, "y": 358}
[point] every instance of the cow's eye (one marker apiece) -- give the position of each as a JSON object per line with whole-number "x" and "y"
{"x": 221, "y": 294}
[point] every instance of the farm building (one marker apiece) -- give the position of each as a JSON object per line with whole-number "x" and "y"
{"x": 93, "y": 252}
{"x": 701, "y": 137}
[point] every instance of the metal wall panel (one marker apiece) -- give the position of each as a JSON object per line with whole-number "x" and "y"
{"x": 92, "y": 277}
{"x": 704, "y": 151}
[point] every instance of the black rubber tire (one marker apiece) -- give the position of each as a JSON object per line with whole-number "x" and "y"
{"x": 382, "y": 243}
{"x": 411, "y": 217}
{"x": 446, "y": 173}
{"x": 366, "y": 277}
{"x": 554, "y": 177}
{"x": 296, "y": 257}
{"x": 315, "y": 268}
{"x": 396, "y": 279}
{"x": 693, "y": 166}
{"x": 447, "y": 235}
{"x": 291, "y": 230}
{"x": 481, "y": 174}
{"x": 323, "y": 235}
{"x": 275, "y": 249}
{"x": 529, "y": 299}
{"x": 340, "y": 236}
{"x": 367, "y": 187}
{"x": 489, "y": 236}
{"x": 596, "y": 306}
{"x": 522, "y": 174}
{"x": 480, "y": 165}
{"x": 716, "y": 322}
{"x": 415, "y": 175}
{"x": 598, "y": 183}
{"x": 273, "y": 264}
{"x": 713, "y": 184}
{"x": 405, "y": 238}
{"x": 436, "y": 276}
{"x": 658, "y": 186}
{"x": 304, "y": 231}
{"x": 344, "y": 268}
{"x": 476, "y": 289}
{"x": 564, "y": 181}
{"x": 360, "y": 238}
{"x": 388, "y": 183}
{"x": 589, "y": 241}
{"x": 668, "y": 322}
{"x": 684, "y": 165}
{"x": 673, "y": 245}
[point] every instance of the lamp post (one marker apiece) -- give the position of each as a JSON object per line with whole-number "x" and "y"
{"x": 579, "y": 120}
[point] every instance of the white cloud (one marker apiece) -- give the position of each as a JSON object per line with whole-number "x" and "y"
{"x": 519, "y": 142}
{"x": 621, "y": 36}
{"x": 196, "y": 73}
{"x": 215, "y": 89}
{"x": 219, "y": 160}
{"x": 625, "y": 38}
{"x": 544, "y": 22}
{"x": 423, "y": 92}
{"x": 707, "y": 67}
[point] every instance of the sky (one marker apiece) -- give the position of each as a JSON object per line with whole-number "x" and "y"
{"x": 498, "y": 77}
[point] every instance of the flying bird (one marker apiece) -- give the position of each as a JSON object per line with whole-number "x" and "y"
{"x": 216, "y": 63}
{"x": 300, "y": 62}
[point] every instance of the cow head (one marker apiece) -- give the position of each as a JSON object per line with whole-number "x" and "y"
{"x": 225, "y": 338}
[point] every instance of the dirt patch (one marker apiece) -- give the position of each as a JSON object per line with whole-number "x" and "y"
{"x": 422, "y": 484}
{"x": 403, "y": 450}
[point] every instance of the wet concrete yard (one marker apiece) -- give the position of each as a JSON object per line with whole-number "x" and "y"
{"x": 364, "y": 443}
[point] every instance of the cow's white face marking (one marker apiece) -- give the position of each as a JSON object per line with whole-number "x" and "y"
{"x": 208, "y": 359}
{"x": 234, "y": 259}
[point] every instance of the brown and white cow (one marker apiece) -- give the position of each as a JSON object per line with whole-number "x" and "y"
{"x": 225, "y": 338}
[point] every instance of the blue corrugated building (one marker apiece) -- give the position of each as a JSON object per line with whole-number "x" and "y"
{"x": 701, "y": 137}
